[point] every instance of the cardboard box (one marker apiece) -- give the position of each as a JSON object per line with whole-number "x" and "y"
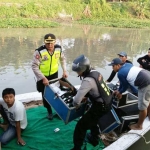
{"x": 109, "y": 122}
{"x": 127, "y": 97}
{"x": 57, "y": 99}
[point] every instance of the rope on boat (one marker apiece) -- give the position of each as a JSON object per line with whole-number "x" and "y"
{"x": 146, "y": 142}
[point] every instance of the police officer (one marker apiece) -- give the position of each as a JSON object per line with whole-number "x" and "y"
{"x": 93, "y": 87}
{"x": 45, "y": 65}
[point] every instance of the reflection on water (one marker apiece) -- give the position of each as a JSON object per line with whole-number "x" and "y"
{"x": 99, "y": 44}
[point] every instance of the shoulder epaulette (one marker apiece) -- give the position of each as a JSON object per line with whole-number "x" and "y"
{"x": 58, "y": 48}
{"x": 40, "y": 48}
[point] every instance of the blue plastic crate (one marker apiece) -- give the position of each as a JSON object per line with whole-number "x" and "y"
{"x": 66, "y": 113}
{"x": 109, "y": 122}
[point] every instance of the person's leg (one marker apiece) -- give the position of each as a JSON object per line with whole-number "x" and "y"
{"x": 138, "y": 125}
{"x": 46, "y": 104}
{"x": 8, "y": 135}
{"x": 80, "y": 130}
{"x": 48, "y": 107}
{"x": 40, "y": 88}
{"x": 88, "y": 121}
{"x": 4, "y": 126}
{"x": 143, "y": 105}
{"x": 93, "y": 137}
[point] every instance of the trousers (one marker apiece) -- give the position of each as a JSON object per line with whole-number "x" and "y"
{"x": 89, "y": 121}
{"x": 40, "y": 87}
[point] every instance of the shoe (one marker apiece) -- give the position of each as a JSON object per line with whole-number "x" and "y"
{"x": 92, "y": 140}
{"x": 50, "y": 116}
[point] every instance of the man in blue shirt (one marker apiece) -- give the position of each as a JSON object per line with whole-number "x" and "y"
{"x": 135, "y": 77}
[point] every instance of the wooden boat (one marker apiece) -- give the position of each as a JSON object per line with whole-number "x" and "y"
{"x": 123, "y": 142}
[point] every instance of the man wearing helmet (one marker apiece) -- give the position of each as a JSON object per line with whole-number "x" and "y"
{"x": 93, "y": 87}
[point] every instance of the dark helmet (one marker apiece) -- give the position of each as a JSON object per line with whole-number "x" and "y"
{"x": 81, "y": 64}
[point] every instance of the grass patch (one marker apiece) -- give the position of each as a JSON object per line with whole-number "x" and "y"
{"x": 26, "y": 23}
{"x": 18, "y": 13}
{"x": 121, "y": 23}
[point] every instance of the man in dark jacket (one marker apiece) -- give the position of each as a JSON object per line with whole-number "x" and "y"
{"x": 123, "y": 57}
{"x": 145, "y": 61}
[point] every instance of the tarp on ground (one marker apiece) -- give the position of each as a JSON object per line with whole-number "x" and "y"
{"x": 40, "y": 135}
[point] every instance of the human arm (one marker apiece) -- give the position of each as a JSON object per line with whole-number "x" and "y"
{"x": 83, "y": 90}
{"x": 148, "y": 66}
{"x": 142, "y": 61}
{"x": 35, "y": 67}
{"x": 20, "y": 119}
{"x": 18, "y": 130}
{"x": 128, "y": 61}
{"x": 1, "y": 101}
{"x": 123, "y": 83}
{"x": 62, "y": 83}
{"x": 146, "y": 63}
{"x": 112, "y": 75}
{"x": 117, "y": 94}
{"x": 63, "y": 65}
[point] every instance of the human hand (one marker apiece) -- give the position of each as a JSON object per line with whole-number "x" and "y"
{"x": 117, "y": 94}
{"x": 21, "y": 142}
{"x": 45, "y": 81}
{"x": 65, "y": 75}
{"x": 77, "y": 106}
{"x": 84, "y": 99}
{"x": 4, "y": 126}
{"x": 72, "y": 88}
{"x": 143, "y": 60}
{"x": 141, "y": 66}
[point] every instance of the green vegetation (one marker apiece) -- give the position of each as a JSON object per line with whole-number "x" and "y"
{"x": 45, "y": 13}
{"x": 26, "y": 23}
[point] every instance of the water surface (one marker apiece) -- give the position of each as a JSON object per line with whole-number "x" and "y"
{"x": 101, "y": 45}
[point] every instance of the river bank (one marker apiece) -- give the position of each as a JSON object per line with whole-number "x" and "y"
{"x": 42, "y": 13}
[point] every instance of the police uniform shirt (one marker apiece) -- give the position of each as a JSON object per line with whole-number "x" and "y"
{"x": 37, "y": 61}
{"x": 88, "y": 85}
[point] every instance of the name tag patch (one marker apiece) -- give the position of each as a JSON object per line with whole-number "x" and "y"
{"x": 45, "y": 57}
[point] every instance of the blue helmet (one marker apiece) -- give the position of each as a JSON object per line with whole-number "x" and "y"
{"x": 81, "y": 64}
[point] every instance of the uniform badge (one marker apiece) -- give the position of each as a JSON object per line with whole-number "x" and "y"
{"x": 45, "y": 57}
